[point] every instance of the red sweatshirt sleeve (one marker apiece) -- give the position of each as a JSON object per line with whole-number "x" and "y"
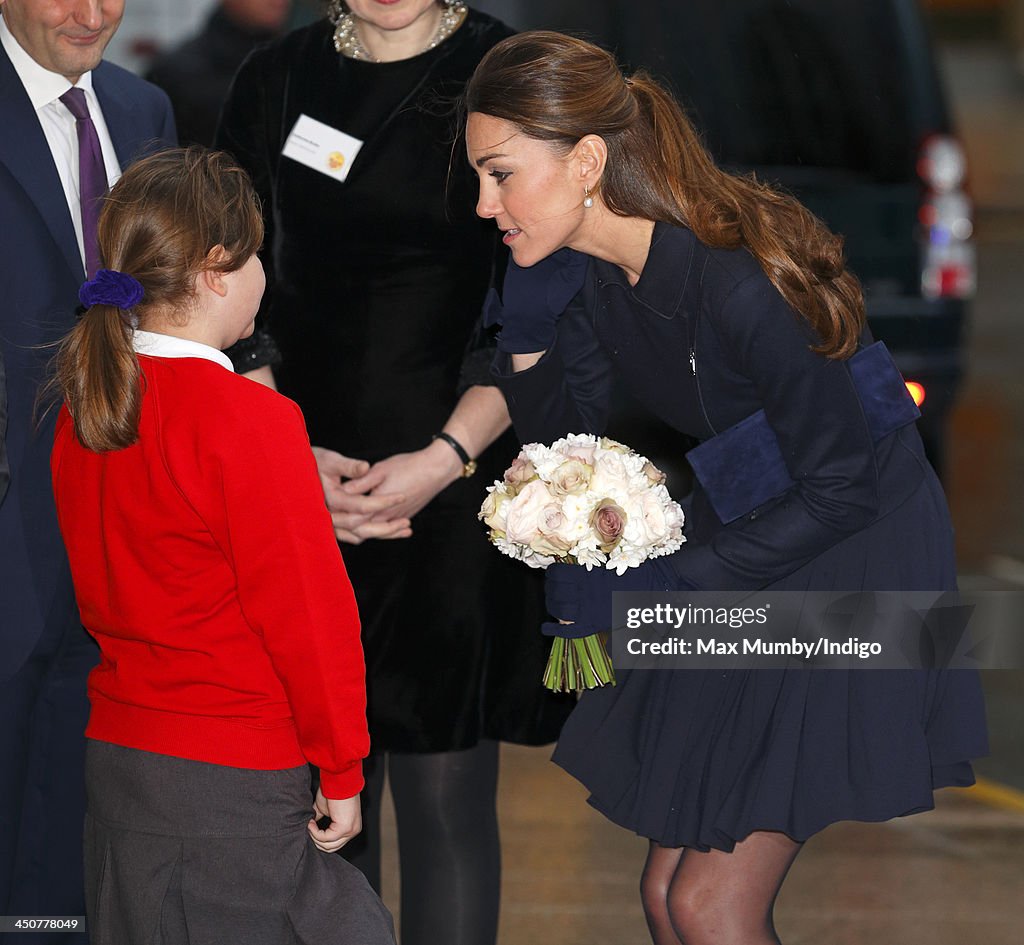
{"x": 292, "y": 585}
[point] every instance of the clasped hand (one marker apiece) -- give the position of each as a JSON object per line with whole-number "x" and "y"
{"x": 379, "y": 500}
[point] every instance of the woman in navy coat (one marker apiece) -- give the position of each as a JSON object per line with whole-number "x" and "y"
{"x": 713, "y": 298}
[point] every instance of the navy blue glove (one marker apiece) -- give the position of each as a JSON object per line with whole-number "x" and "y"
{"x": 533, "y": 299}
{"x": 585, "y": 597}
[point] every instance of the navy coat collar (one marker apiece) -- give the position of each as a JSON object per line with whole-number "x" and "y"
{"x": 667, "y": 272}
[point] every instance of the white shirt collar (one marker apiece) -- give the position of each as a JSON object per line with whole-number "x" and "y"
{"x": 41, "y": 85}
{"x": 169, "y": 346}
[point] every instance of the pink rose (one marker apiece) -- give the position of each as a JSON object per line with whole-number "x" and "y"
{"x": 608, "y": 521}
{"x": 550, "y": 541}
{"x": 519, "y": 473}
{"x": 585, "y": 454}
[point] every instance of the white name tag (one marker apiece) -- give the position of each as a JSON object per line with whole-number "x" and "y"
{"x": 321, "y": 147}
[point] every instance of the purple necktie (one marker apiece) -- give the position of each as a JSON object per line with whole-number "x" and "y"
{"x": 92, "y": 174}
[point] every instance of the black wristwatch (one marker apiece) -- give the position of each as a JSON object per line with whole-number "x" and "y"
{"x": 468, "y": 465}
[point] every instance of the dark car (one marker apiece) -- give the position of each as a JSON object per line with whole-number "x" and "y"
{"x": 840, "y": 103}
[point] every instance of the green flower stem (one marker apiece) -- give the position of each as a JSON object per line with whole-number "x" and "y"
{"x": 578, "y": 664}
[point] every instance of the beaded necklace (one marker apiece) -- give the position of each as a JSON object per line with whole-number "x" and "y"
{"x": 346, "y": 37}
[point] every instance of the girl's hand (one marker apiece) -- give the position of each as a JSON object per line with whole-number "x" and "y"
{"x": 346, "y": 822}
{"x": 357, "y": 516}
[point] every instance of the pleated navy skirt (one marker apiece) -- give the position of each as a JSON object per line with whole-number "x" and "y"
{"x": 182, "y": 852}
{"x": 703, "y": 758}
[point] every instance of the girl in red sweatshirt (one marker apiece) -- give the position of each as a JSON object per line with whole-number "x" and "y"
{"x": 205, "y": 565}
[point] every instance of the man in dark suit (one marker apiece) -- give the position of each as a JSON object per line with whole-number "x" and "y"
{"x": 5, "y": 469}
{"x": 59, "y": 149}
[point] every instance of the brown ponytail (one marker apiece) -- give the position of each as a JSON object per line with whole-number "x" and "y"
{"x": 557, "y": 89}
{"x": 160, "y": 224}
{"x": 98, "y": 375}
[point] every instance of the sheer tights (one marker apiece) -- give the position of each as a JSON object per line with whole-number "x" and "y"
{"x": 450, "y": 859}
{"x": 694, "y": 898}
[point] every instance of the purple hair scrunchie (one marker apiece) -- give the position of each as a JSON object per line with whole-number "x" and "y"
{"x": 110, "y": 287}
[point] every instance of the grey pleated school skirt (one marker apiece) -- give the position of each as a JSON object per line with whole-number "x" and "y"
{"x": 181, "y": 852}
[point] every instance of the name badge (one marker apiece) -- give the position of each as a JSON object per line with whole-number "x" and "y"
{"x": 321, "y": 147}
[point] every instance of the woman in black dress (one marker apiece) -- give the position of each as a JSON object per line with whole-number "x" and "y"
{"x": 713, "y": 298}
{"x": 375, "y": 288}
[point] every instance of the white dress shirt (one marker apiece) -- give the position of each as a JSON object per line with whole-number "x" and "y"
{"x": 170, "y": 346}
{"x": 44, "y": 89}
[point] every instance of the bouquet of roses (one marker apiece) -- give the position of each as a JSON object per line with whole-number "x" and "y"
{"x": 583, "y": 500}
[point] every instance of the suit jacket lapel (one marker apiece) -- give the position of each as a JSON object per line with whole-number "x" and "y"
{"x": 118, "y": 112}
{"x": 23, "y": 149}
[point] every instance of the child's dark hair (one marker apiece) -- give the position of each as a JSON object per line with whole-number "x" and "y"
{"x": 171, "y": 216}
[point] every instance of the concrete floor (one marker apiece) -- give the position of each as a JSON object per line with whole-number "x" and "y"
{"x": 953, "y": 876}
{"x": 986, "y": 448}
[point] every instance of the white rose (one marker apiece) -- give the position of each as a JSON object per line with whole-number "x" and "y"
{"x": 522, "y": 519}
{"x": 654, "y": 475}
{"x": 611, "y": 476}
{"x": 536, "y": 453}
{"x": 613, "y": 446}
{"x": 656, "y": 522}
{"x": 584, "y": 452}
{"x": 494, "y": 509}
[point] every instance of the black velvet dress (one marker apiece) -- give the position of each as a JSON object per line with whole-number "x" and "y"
{"x": 376, "y": 285}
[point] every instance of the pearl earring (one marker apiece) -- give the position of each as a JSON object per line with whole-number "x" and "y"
{"x": 588, "y": 201}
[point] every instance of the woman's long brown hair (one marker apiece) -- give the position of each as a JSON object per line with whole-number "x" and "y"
{"x": 170, "y": 216}
{"x": 558, "y": 89}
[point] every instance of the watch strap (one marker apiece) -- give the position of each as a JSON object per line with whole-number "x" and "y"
{"x": 468, "y": 464}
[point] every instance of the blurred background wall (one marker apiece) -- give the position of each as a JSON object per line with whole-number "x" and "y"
{"x": 154, "y": 26}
